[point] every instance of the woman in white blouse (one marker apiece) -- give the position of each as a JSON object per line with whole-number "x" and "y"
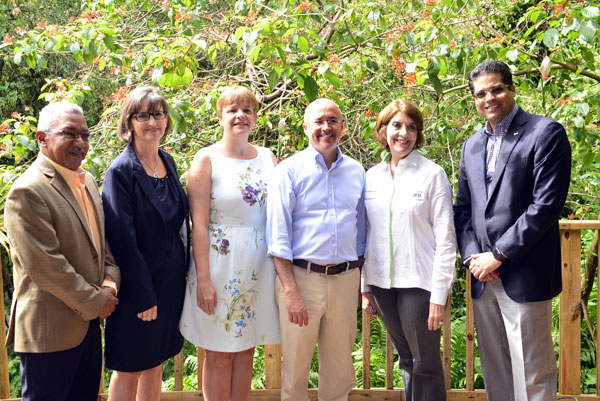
{"x": 411, "y": 249}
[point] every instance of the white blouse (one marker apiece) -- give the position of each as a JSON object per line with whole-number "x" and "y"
{"x": 411, "y": 240}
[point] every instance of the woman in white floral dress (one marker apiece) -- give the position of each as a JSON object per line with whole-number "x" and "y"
{"x": 229, "y": 303}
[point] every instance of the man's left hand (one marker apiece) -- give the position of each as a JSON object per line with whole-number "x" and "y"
{"x": 483, "y": 266}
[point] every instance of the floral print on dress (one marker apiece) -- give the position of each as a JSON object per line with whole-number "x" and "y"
{"x": 239, "y": 303}
{"x": 220, "y": 243}
{"x": 252, "y": 192}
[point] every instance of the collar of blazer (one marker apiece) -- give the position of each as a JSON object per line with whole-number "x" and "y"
{"x": 513, "y": 135}
{"x": 63, "y": 189}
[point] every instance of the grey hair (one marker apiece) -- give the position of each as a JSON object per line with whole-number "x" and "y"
{"x": 52, "y": 111}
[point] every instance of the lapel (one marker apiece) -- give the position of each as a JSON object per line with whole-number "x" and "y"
{"x": 62, "y": 188}
{"x": 514, "y": 133}
{"x": 145, "y": 181}
{"x": 478, "y": 152}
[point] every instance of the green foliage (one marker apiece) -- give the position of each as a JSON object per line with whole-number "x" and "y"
{"x": 361, "y": 54}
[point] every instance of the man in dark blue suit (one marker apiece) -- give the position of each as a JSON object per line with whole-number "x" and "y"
{"x": 513, "y": 182}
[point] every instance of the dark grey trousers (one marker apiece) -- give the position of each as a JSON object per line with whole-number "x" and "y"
{"x": 404, "y": 312}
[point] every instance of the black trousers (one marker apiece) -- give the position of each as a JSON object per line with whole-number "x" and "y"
{"x": 404, "y": 312}
{"x": 70, "y": 375}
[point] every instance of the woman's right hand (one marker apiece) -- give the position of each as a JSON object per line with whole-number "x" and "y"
{"x": 206, "y": 296}
{"x": 368, "y": 305}
{"x": 149, "y": 314}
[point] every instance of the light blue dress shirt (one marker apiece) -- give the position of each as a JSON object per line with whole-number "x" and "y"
{"x": 314, "y": 213}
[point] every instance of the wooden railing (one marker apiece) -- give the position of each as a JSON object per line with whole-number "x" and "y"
{"x": 569, "y": 379}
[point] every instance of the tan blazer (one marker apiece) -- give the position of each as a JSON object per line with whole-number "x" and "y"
{"x": 56, "y": 272}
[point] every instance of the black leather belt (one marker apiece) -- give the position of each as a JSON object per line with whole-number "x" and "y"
{"x": 328, "y": 270}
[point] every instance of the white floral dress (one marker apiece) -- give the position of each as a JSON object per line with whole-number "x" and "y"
{"x": 240, "y": 269}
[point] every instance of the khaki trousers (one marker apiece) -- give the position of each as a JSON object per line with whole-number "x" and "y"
{"x": 331, "y": 303}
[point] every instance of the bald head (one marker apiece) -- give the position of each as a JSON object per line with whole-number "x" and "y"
{"x": 319, "y": 104}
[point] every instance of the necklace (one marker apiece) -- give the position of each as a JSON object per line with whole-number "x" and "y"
{"x": 155, "y": 175}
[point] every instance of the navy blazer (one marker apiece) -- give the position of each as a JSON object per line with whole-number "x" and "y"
{"x": 135, "y": 225}
{"x": 520, "y": 215}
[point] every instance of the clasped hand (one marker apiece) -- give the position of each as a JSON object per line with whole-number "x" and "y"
{"x": 484, "y": 266}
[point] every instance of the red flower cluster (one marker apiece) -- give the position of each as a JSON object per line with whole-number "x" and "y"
{"x": 4, "y": 127}
{"x": 164, "y": 4}
{"x": 305, "y": 5}
{"x": 369, "y": 113}
{"x": 333, "y": 58}
{"x": 121, "y": 94}
{"x": 8, "y": 39}
{"x": 398, "y": 67}
{"x": 564, "y": 101}
{"x": 250, "y": 19}
{"x": 182, "y": 17}
{"x": 90, "y": 15}
{"x": 452, "y": 44}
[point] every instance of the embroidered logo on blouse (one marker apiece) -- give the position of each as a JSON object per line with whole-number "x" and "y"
{"x": 418, "y": 196}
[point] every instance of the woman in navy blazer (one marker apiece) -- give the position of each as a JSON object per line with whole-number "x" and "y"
{"x": 145, "y": 208}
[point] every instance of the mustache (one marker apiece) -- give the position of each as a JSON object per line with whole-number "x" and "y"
{"x": 76, "y": 149}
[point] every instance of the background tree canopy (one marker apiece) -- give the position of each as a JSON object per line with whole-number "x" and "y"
{"x": 360, "y": 53}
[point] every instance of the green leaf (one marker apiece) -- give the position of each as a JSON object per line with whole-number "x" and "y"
{"x": 435, "y": 81}
{"x": 18, "y": 57}
{"x": 273, "y": 78}
{"x": 372, "y": 65}
{"x": 41, "y": 61}
{"x": 551, "y": 38}
{"x": 591, "y": 12}
{"x": 373, "y": 16}
{"x": 512, "y": 54}
{"x": 109, "y": 42}
{"x": 311, "y": 89}
{"x": 240, "y": 32}
{"x": 157, "y": 73}
{"x": 30, "y": 59}
{"x": 579, "y": 122}
{"x": 434, "y": 66}
{"x": 587, "y": 29}
{"x": 583, "y": 108}
{"x": 75, "y": 49}
{"x": 303, "y": 43}
{"x": 333, "y": 78}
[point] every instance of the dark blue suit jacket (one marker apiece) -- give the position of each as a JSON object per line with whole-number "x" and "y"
{"x": 130, "y": 201}
{"x": 521, "y": 213}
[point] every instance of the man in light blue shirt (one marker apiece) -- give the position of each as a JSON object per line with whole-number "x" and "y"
{"x": 316, "y": 235}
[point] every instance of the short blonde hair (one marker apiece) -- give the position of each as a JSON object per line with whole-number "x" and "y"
{"x": 133, "y": 103}
{"x": 399, "y": 105}
{"x": 235, "y": 94}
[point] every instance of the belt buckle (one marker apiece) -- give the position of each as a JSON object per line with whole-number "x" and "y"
{"x": 328, "y": 266}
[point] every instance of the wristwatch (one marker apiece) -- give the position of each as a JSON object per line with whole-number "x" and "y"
{"x": 498, "y": 254}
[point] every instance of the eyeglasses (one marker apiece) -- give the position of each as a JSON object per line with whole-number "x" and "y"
{"x": 73, "y": 136}
{"x": 330, "y": 122}
{"x": 495, "y": 91}
{"x": 143, "y": 117}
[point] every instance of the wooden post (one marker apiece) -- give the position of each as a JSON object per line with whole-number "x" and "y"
{"x": 597, "y": 328}
{"x": 178, "y": 365}
{"x": 4, "y": 382}
{"x": 570, "y": 313}
{"x": 201, "y": 355}
{"x": 389, "y": 362}
{"x": 366, "y": 351}
{"x": 447, "y": 343}
{"x": 470, "y": 337}
{"x": 273, "y": 366}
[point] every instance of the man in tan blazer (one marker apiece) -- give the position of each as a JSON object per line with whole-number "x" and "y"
{"x": 65, "y": 278}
